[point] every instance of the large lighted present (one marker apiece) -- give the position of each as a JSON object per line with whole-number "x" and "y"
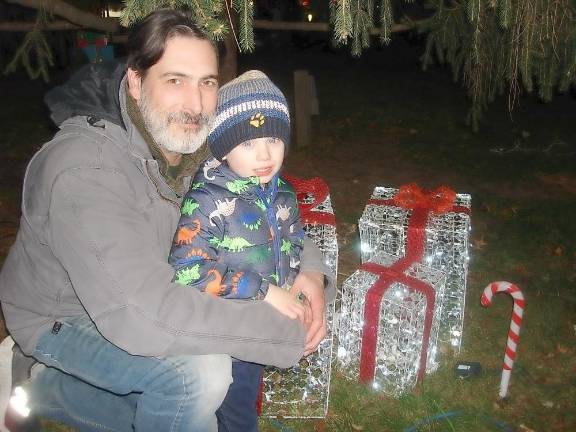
{"x": 440, "y": 221}
{"x": 389, "y": 323}
{"x": 303, "y": 390}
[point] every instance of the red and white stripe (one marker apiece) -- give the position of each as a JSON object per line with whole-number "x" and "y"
{"x": 515, "y": 323}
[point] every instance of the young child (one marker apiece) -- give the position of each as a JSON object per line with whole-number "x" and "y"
{"x": 239, "y": 234}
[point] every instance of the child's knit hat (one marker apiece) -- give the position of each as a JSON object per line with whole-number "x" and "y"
{"x": 249, "y": 107}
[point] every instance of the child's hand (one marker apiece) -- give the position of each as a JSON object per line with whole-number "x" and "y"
{"x": 286, "y": 303}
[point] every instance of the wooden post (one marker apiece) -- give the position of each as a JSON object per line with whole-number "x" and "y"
{"x": 305, "y": 105}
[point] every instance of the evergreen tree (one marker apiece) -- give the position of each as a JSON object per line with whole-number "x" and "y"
{"x": 492, "y": 46}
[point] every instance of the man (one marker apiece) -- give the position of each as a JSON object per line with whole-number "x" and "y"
{"x": 86, "y": 288}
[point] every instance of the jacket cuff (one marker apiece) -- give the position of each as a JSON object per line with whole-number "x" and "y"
{"x": 263, "y": 290}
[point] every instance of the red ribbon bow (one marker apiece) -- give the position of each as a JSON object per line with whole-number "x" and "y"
{"x": 318, "y": 190}
{"x": 439, "y": 200}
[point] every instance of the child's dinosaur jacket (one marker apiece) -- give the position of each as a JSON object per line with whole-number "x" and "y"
{"x": 234, "y": 237}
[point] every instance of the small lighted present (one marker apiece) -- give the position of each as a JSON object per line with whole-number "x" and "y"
{"x": 389, "y": 323}
{"x": 438, "y": 222}
{"x": 96, "y": 47}
{"x": 303, "y": 390}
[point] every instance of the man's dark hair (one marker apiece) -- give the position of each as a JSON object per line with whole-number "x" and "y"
{"x": 147, "y": 40}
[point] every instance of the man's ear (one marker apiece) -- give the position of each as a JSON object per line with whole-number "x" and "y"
{"x": 134, "y": 83}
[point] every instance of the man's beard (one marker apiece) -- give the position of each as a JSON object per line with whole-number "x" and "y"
{"x": 158, "y": 125}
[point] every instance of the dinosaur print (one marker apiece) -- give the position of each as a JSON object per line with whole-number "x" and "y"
{"x": 260, "y": 204}
{"x": 286, "y": 246}
{"x": 294, "y": 262}
{"x": 241, "y": 185}
{"x": 275, "y": 278}
{"x": 211, "y": 164}
{"x": 197, "y": 185}
{"x": 215, "y": 286}
{"x": 188, "y": 275}
{"x": 233, "y": 244}
{"x": 239, "y": 284}
{"x": 185, "y": 235}
{"x": 283, "y": 213}
{"x": 258, "y": 254}
{"x": 197, "y": 254}
{"x": 251, "y": 221}
{"x": 224, "y": 207}
{"x": 188, "y": 207}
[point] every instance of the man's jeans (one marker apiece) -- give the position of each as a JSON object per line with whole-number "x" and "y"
{"x": 103, "y": 388}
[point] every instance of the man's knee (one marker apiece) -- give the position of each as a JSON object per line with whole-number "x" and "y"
{"x": 214, "y": 377}
{"x": 205, "y": 376}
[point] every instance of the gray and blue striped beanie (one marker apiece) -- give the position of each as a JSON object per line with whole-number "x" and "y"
{"x": 250, "y": 106}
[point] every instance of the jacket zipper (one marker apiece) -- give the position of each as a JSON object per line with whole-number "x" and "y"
{"x": 273, "y": 225}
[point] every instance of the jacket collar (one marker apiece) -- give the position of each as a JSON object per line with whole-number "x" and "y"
{"x": 248, "y": 188}
{"x": 143, "y": 145}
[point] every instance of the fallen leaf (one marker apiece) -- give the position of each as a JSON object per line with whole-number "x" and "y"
{"x": 320, "y": 426}
{"x": 525, "y": 428}
{"x": 357, "y": 427}
{"x": 562, "y": 349}
{"x": 479, "y": 243}
{"x": 548, "y": 404}
{"x": 561, "y": 181}
{"x": 558, "y": 251}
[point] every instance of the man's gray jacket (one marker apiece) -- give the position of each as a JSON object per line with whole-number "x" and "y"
{"x": 96, "y": 228}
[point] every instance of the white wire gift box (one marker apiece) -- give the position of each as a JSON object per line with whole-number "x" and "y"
{"x": 395, "y": 220}
{"x": 303, "y": 390}
{"x": 389, "y": 323}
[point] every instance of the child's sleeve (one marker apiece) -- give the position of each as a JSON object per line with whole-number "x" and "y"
{"x": 195, "y": 252}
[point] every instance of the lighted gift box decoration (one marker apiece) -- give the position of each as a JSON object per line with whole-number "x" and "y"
{"x": 440, "y": 221}
{"x": 389, "y": 323}
{"x": 303, "y": 390}
{"x": 95, "y": 47}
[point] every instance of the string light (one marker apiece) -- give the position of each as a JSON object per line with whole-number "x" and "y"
{"x": 303, "y": 390}
{"x": 384, "y": 227}
{"x": 400, "y": 328}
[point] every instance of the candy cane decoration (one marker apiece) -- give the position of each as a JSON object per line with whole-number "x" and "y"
{"x": 515, "y": 323}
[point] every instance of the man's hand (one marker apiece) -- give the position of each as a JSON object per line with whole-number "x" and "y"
{"x": 311, "y": 285}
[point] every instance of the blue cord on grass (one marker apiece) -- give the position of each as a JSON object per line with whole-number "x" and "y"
{"x": 279, "y": 426}
{"x": 501, "y": 426}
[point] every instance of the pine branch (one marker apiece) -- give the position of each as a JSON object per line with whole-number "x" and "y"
{"x": 514, "y": 44}
{"x": 341, "y": 18}
{"x": 245, "y": 9}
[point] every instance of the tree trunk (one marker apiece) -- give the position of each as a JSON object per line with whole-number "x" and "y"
{"x": 229, "y": 62}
